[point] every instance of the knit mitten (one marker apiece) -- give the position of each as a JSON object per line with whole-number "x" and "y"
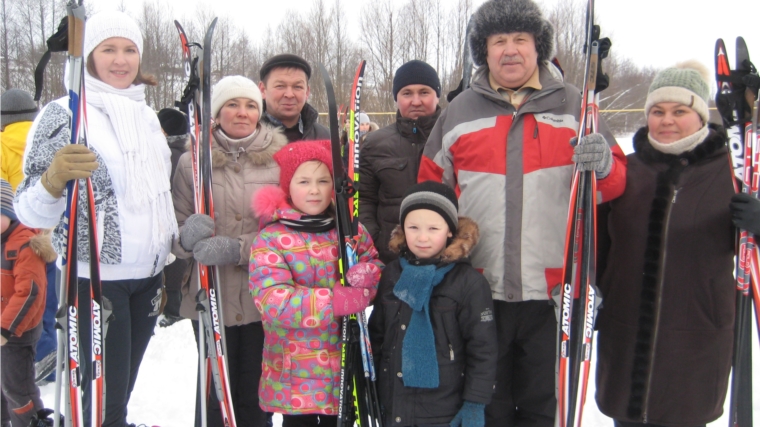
{"x": 470, "y": 415}
{"x": 197, "y": 227}
{"x": 363, "y": 275}
{"x": 348, "y": 300}
{"x": 593, "y": 154}
{"x": 217, "y": 250}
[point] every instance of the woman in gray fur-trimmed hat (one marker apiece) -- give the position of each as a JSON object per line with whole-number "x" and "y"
{"x": 667, "y": 325}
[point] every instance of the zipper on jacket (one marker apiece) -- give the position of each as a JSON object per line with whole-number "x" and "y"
{"x": 658, "y": 307}
{"x": 451, "y": 352}
{"x": 535, "y": 132}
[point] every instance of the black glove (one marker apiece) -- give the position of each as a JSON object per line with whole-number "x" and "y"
{"x": 745, "y": 211}
{"x": 43, "y": 418}
{"x": 752, "y": 81}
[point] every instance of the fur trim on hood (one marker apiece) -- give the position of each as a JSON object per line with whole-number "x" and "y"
{"x": 274, "y": 140}
{"x": 465, "y": 239}
{"x": 42, "y": 246}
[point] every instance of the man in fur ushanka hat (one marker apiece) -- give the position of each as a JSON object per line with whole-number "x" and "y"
{"x": 504, "y": 145}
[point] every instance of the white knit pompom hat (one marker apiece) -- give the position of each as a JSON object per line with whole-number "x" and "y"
{"x": 233, "y": 87}
{"x": 107, "y": 24}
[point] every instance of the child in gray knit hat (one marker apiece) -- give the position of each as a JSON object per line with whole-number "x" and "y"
{"x": 16, "y": 105}
{"x": 439, "y": 366}
{"x": 17, "y": 111}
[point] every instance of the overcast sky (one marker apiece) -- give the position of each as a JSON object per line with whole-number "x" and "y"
{"x": 651, "y": 32}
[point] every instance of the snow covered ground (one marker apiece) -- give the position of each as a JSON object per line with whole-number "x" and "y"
{"x": 165, "y": 389}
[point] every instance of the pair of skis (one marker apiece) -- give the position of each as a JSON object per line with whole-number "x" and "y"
{"x": 211, "y": 340}
{"x": 739, "y": 110}
{"x": 68, "y": 354}
{"x": 576, "y": 333}
{"x": 358, "y": 400}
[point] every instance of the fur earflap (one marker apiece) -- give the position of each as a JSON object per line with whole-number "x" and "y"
{"x": 268, "y": 200}
{"x": 465, "y": 239}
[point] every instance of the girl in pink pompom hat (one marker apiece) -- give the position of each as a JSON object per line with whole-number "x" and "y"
{"x": 294, "y": 280}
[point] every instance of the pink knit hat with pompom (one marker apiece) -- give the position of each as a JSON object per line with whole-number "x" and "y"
{"x": 291, "y": 156}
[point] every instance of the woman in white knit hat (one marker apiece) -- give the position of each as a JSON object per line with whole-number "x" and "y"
{"x": 129, "y": 163}
{"x": 667, "y": 257}
{"x": 241, "y": 153}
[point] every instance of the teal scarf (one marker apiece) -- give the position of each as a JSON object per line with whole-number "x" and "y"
{"x": 419, "y": 364}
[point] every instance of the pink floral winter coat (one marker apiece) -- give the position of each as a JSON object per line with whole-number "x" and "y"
{"x": 292, "y": 274}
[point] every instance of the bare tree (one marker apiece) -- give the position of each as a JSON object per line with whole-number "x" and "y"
{"x": 391, "y": 34}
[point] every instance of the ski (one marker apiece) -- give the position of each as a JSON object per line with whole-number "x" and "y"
{"x": 68, "y": 313}
{"x": 353, "y": 144}
{"x": 467, "y": 58}
{"x": 213, "y": 369}
{"x": 372, "y": 402}
{"x": 737, "y": 117}
{"x": 357, "y": 400}
{"x": 466, "y": 65}
{"x": 575, "y": 336}
{"x": 189, "y": 103}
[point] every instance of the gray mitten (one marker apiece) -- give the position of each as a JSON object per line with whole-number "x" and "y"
{"x": 197, "y": 227}
{"x": 217, "y": 250}
{"x": 593, "y": 154}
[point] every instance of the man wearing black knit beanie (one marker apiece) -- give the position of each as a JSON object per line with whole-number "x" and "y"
{"x": 390, "y": 157}
{"x": 504, "y": 146}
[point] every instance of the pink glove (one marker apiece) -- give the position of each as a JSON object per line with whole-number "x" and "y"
{"x": 363, "y": 275}
{"x": 348, "y": 300}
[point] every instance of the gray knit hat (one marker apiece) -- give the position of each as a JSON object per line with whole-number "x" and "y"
{"x": 686, "y": 83}
{"x": 17, "y": 105}
{"x": 510, "y": 16}
{"x": 6, "y": 200}
{"x": 434, "y": 196}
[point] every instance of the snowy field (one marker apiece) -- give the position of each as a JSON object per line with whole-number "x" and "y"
{"x": 165, "y": 391}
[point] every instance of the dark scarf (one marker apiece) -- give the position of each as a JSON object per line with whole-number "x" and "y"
{"x": 667, "y": 179}
{"x": 310, "y": 223}
{"x": 418, "y": 354}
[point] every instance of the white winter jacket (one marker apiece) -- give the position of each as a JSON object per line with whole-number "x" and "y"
{"x": 124, "y": 236}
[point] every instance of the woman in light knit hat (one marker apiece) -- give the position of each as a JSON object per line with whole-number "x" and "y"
{"x": 666, "y": 258}
{"x": 129, "y": 163}
{"x": 242, "y": 162}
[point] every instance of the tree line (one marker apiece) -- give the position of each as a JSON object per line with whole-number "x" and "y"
{"x": 392, "y": 33}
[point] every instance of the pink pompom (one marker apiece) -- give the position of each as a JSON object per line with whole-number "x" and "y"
{"x": 268, "y": 200}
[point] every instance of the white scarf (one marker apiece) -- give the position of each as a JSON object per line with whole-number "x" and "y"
{"x": 147, "y": 180}
{"x": 682, "y": 145}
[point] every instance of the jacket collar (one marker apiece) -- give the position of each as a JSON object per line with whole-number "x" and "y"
{"x": 258, "y": 149}
{"x": 416, "y": 130}
{"x": 457, "y": 250}
{"x": 307, "y": 119}
{"x": 712, "y": 145}
{"x": 548, "y": 74}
